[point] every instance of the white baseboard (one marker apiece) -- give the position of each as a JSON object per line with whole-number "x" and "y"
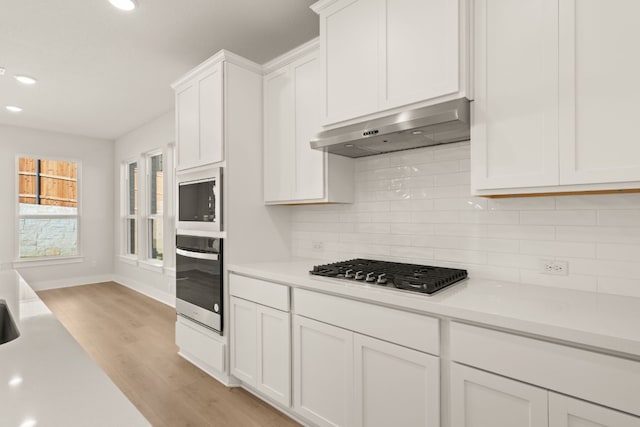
{"x": 71, "y": 281}
{"x": 143, "y": 288}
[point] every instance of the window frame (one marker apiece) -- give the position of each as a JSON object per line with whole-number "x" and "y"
{"x": 148, "y": 217}
{"x": 126, "y": 212}
{"x": 47, "y": 259}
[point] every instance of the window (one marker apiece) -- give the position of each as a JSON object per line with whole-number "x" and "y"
{"x": 131, "y": 208}
{"x": 48, "y": 208}
{"x": 156, "y": 199}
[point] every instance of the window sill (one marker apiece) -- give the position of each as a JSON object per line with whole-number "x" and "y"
{"x": 128, "y": 259}
{"x": 151, "y": 265}
{"x": 41, "y": 262}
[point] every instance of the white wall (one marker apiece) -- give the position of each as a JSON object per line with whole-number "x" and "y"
{"x": 158, "y": 283}
{"x": 96, "y": 193}
{"x": 414, "y": 206}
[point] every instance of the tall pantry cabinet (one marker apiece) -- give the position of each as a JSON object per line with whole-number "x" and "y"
{"x": 219, "y": 116}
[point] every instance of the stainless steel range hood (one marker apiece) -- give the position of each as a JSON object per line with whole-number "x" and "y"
{"x": 436, "y": 124}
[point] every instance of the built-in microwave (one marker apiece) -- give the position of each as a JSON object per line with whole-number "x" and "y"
{"x": 199, "y": 203}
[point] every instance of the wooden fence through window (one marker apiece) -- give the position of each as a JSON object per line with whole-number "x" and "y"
{"x": 48, "y": 182}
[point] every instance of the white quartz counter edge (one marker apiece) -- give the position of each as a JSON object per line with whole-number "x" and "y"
{"x": 46, "y": 378}
{"x": 607, "y": 322}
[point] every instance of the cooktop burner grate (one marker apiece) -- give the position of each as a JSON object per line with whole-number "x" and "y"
{"x": 411, "y": 277}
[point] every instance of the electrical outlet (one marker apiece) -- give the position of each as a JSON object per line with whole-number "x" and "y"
{"x": 559, "y": 268}
{"x": 317, "y": 246}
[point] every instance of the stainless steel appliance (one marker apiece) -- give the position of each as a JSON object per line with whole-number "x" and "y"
{"x": 199, "y": 203}
{"x": 436, "y": 124}
{"x": 425, "y": 279}
{"x": 199, "y": 280}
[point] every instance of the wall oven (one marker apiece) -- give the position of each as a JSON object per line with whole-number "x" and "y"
{"x": 199, "y": 203}
{"x": 199, "y": 280}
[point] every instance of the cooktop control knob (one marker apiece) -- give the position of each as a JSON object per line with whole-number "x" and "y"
{"x": 371, "y": 277}
{"x": 382, "y": 279}
{"x": 348, "y": 274}
{"x": 359, "y": 275}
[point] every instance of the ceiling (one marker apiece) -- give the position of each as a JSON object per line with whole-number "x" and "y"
{"x": 103, "y": 72}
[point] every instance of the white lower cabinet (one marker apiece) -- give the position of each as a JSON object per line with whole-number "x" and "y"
{"x": 394, "y": 386}
{"x": 322, "y": 372}
{"x": 274, "y": 354}
{"x": 342, "y": 378}
{"x": 481, "y": 399}
{"x": 260, "y": 348}
{"x": 568, "y": 412}
{"x": 244, "y": 342}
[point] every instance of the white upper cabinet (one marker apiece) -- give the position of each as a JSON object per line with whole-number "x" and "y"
{"x": 599, "y": 91}
{"x": 294, "y": 173}
{"x": 515, "y": 126}
{"x": 377, "y": 55}
{"x": 556, "y": 94}
{"x": 279, "y": 128}
{"x": 349, "y": 44}
{"x": 199, "y": 117}
{"x": 419, "y": 44}
{"x": 309, "y": 163}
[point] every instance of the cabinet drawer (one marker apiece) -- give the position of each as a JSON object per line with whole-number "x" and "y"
{"x": 259, "y": 291}
{"x": 196, "y": 341}
{"x": 608, "y": 380}
{"x": 408, "y": 329}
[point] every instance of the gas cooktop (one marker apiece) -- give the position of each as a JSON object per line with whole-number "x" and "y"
{"x": 411, "y": 277}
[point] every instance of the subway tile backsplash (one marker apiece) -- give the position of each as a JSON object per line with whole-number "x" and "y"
{"x": 414, "y": 206}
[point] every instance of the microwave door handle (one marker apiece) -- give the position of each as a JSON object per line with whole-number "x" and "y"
{"x": 197, "y": 255}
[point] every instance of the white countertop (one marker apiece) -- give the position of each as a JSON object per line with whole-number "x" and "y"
{"x": 46, "y": 378}
{"x": 608, "y": 322}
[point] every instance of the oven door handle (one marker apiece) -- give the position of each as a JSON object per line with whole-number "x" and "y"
{"x": 198, "y": 255}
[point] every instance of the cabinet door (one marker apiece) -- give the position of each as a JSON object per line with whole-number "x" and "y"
{"x": 568, "y": 412}
{"x": 322, "y": 372}
{"x": 309, "y": 164}
{"x": 480, "y": 399}
{"x": 210, "y": 92}
{"x": 599, "y": 91}
{"x": 274, "y": 354}
{"x": 279, "y": 150}
{"x": 349, "y": 31}
{"x": 515, "y": 113}
{"x": 187, "y": 118}
{"x": 395, "y": 386}
{"x": 243, "y": 340}
{"x": 419, "y": 45}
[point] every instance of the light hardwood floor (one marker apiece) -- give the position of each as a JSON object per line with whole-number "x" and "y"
{"x": 132, "y": 338}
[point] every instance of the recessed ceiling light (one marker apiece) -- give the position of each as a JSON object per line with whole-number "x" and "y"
{"x": 15, "y": 381}
{"x": 127, "y": 5}
{"x": 13, "y": 108}
{"x": 25, "y": 80}
{"x": 416, "y": 132}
